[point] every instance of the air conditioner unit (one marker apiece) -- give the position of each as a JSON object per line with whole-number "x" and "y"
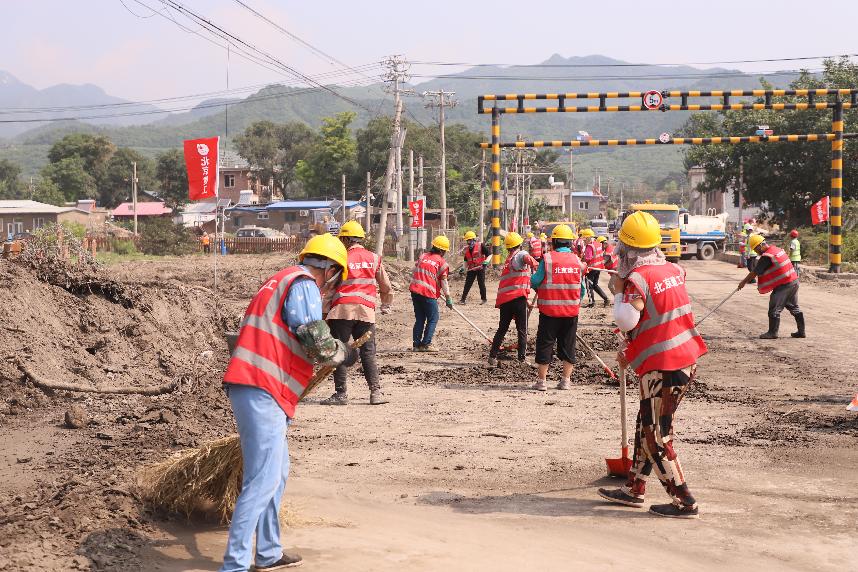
{"x": 303, "y": 213}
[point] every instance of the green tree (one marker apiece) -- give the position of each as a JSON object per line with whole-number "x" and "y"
{"x": 161, "y": 237}
{"x": 172, "y": 177}
{"x": 71, "y": 178}
{"x": 333, "y": 155}
{"x": 115, "y": 185}
{"x": 260, "y": 146}
{"x": 11, "y": 186}
{"x": 296, "y": 140}
{"x": 93, "y": 150}
{"x": 47, "y": 191}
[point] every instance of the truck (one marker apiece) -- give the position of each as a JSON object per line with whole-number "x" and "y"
{"x": 684, "y": 234}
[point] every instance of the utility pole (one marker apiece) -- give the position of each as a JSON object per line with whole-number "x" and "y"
{"x": 739, "y": 189}
{"x": 397, "y": 72}
{"x": 483, "y": 197}
{"x": 400, "y": 230}
{"x": 439, "y": 102}
{"x": 134, "y": 193}
{"x": 368, "y": 202}
{"x": 411, "y": 234}
{"x": 344, "y": 198}
{"x": 420, "y": 231}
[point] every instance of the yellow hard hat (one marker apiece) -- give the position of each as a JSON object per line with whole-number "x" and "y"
{"x": 441, "y": 242}
{"x": 470, "y": 235}
{"x": 563, "y": 232}
{"x": 529, "y": 235}
{"x": 602, "y": 238}
{"x": 512, "y": 240}
{"x": 330, "y": 247}
{"x": 542, "y": 236}
{"x": 755, "y": 240}
{"x": 640, "y": 230}
{"x": 588, "y": 232}
{"x": 352, "y": 229}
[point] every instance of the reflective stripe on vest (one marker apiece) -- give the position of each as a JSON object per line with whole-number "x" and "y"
{"x": 535, "y": 247}
{"x": 665, "y": 338}
{"x": 596, "y": 261}
{"x": 780, "y": 272}
{"x": 268, "y": 355}
{"x": 429, "y": 270}
{"x": 559, "y": 295}
{"x": 359, "y": 287}
{"x": 474, "y": 256}
{"x": 513, "y": 283}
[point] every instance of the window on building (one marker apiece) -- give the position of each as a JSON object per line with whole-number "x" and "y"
{"x": 583, "y": 205}
{"x": 262, "y": 215}
{"x": 290, "y": 216}
{"x": 229, "y": 181}
{"x": 38, "y": 222}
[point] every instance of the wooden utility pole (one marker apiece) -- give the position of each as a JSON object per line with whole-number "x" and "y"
{"x": 441, "y": 103}
{"x": 344, "y": 198}
{"x": 134, "y": 193}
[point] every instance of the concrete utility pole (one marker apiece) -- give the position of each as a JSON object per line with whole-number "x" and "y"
{"x": 739, "y": 190}
{"x": 483, "y": 197}
{"x": 410, "y": 198}
{"x": 344, "y": 198}
{"x": 368, "y": 202}
{"x": 397, "y": 72}
{"x": 421, "y": 232}
{"x": 439, "y": 102}
{"x": 400, "y": 228}
{"x": 134, "y": 193}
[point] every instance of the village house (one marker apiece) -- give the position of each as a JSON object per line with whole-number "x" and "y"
{"x": 18, "y": 216}
{"x": 291, "y": 217}
{"x": 125, "y": 211}
{"x": 719, "y": 201}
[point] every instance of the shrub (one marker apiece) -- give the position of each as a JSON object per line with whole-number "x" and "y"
{"x": 122, "y": 247}
{"x": 161, "y": 237}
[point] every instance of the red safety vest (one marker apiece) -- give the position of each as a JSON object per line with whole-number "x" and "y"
{"x": 428, "y": 272}
{"x": 780, "y": 272}
{"x": 559, "y": 295}
{"x": 474, "y": 257}
{"x": 268, "y": 355}
{"x": 359, "y": 287}
{"x": 595, "y": 260}
{"x": 611, "y": 260}
{"x": 665, "y": 338}
{"x": 536, "y": 248}
{"x": 513, "y": 283}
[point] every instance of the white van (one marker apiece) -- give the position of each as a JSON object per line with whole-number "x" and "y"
{"x": 599, "y": 226}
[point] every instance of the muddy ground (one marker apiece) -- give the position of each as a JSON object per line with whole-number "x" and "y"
{"x": 464, "y": 470}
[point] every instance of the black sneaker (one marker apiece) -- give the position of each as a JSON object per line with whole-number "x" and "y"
{"x": 619, "y": 496}
{"x": 336, "y": 399}
{"x": 675, "y": 511}
{"x": 286, "y": 561}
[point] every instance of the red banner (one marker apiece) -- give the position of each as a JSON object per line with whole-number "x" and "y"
{"x": 819, "y": 211}
{"x": 201, "y": 161}
{"x": 417, "y": 209}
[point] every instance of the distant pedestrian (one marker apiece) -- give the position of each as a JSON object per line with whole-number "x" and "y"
{"x": 205, "y": 240}
{"x": 795, "y": 251}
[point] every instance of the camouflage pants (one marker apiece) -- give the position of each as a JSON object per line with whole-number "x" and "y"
{"x": 660, "y": 395}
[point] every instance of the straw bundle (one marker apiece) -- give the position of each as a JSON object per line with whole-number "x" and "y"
{"x": 211, "y": 474}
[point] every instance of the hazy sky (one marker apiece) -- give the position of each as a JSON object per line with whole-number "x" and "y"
{"x": 45, "y": 42}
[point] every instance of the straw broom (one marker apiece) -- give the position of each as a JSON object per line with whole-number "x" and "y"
{"x": 212, "y": 474}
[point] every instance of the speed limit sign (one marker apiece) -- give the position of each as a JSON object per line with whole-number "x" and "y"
{"x": 652, "y": 99}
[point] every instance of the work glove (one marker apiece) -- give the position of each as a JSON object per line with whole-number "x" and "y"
{"x": 449, "y": 302}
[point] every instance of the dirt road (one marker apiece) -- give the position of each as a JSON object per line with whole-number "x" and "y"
{"x": 467, "y": 470}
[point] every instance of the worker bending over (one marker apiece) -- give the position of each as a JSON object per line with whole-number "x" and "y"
{"x": 652, "y": 307}
{"x": 281, "y": 336}
{"x": 476, "y": 259}
{"x": 428, "y": 283}
{"x": 774, "y": 273}
{"x": 558, "y": 288}
{"x": 595, "y": 260}
{"x": 513, "y": 290}
{"x": 352, "y": 312}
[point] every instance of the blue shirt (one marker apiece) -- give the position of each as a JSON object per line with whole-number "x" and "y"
{"x": 303, "y": 304}
{"x": 538, "y": 276}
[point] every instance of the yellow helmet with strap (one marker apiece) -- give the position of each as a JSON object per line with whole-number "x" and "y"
{"x": 562, "y": 232}
{"x": 512, "y": 240}
{"x": 640, "y": 230}
{"x": 441, "y": 242}
{"x": 327, "y": 246}
{"x": 352, "y": 229}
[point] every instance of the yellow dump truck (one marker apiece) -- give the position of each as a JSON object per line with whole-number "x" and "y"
{"x": 668, "y": 219}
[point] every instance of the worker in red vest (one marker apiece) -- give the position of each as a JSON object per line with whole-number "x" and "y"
{"x": 608, "y": 253}
{"x": 558, "y": 288}
{"x": 352, "y": 312}
{"x": 476, "y": 259}
{"x": 595, "y": 260}
{"x": 428, "y": 283}
{"x": 281, "y": 336}
{"x": 652, "y": 307}
{"x": 534, "y": 244}
{"x": 775, "y": 274}
{"x": 513, "y": 290}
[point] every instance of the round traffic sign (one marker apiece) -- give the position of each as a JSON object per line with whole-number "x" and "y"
{"x": 664, "y": 137}
{"x": 652, "y": 99}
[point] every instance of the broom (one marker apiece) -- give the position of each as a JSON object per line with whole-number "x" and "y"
{"x": 211, "y": 474}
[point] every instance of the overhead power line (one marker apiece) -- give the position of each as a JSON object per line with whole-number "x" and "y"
{"x": 624, "y": 64}
{"x": 611, "y": 77}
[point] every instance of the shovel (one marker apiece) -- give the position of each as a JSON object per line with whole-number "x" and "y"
{"x": 712, "y": 311}
{"x": 473, "y": 325}
{"x": 621, "y": 467}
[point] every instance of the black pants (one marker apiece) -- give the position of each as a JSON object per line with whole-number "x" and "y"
{"x": 345, "y": 329}
{"x": 515, "y": 309}
{"x": 593, "y": 277}
{"x": 784, "y": 296}
{"x": 556, "y": 331}
{"x": 480, "y": 277}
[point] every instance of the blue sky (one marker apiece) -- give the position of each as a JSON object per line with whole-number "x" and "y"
{"x": 46, "y": 42}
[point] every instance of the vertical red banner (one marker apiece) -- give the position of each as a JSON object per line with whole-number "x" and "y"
{"x": 819, "y": 211}
{"x": 201, "y": 162}
{"x": 417, "y": 209}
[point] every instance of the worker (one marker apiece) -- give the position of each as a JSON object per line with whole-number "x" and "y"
{"x": 352, "y": 312}
{"x": 206, "y": 242}
{"x": 662, "y": 346}
{"x": 281, "y": 336}
{"x": 743, "y": 243}
{"x": 428, "y": 283}
{"x": 795, "y": 251}
{"x": 750, "y": 254}
{"x": 595, "y": 260}
{"x": 776, "y": 275}
{"x": 534, "y": 245}
{"x": 558, "y": 288}
{"x": 513, "y": 290}
{"x": 608, "y": 253}
{"x": 476, "y": 259}
{"x": 543, "y": 238}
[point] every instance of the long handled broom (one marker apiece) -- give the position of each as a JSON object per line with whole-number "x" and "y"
{"x": 211, "y": 474}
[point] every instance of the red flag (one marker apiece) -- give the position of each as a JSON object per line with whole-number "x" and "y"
{"x": 201, "y": 161}
{"x": 819, "y": 211}
{"x": 417, "y": 212}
